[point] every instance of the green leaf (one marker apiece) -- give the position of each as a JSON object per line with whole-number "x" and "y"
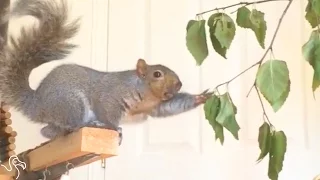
{"x": 211, "y": 108}
{"x": 273, "y": 81}
{"x": 311, "y": 15}
{"x": 280, "y": 147}
{"x": 315, "y": 83}
{"x": 272, "y": 172}
{"x": 259, "y": 26}
{"x": 277, "y": 154}
{"x": 316, "y": 68}
{"x": 311, "y": 52}
{"x": 316, "y": 7}
{"x": 216, "y": 44}
{"x": 222, "y": 51}
{"x": 264, "y": 140}
{"x": 190, "y": 23}
{"x": 253, "y": 20}
{"x": 197, "y": 41}
{"x": 243, "y": 17}
{"x": 226, "y": 116}
{"x": 278, "y": 104}
{"x": 225, "y": 30}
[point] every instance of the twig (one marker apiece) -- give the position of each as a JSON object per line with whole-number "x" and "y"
{"x": 238, "y": 4}
{"x": 266, "y": 52}
{"x": 272, "y": 41}
{"x": 263, "y": 109}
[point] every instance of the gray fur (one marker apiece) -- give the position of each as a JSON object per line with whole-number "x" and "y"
{"x": 4, "y": 22}
{"x": 73, "y": 96}
{"x": 35, "y": 46}
{"x": 180, "y": 103}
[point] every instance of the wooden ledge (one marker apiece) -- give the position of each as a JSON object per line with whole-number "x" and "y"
{"x": 5, "y": 177}
{"x": 102, "y": 142}
{"x": 82, "y": 142}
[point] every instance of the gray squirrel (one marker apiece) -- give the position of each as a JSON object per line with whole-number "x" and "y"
{"x": 73, "y": 96}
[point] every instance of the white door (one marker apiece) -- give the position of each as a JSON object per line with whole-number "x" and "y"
{"x": 92, "y": 34}
{"x": 115, "y": 33}
{"x": 183, "y": 147}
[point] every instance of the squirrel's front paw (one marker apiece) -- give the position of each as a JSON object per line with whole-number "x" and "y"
{"x": 203, "y": 97}
{"x": 119, "y": 130}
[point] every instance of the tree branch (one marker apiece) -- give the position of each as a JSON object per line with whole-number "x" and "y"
{"x": 265, "y": 53}
{"x": 262, "y": 106}
{"x": 238, "y": 4}
{"x": 272, "y": 41}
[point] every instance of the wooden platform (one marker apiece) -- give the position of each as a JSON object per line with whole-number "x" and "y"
{"x": 85, "y": 141}
{"x": 6, "y": 177}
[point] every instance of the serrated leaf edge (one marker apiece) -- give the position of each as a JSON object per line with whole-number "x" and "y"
{"x": 264, "y": 152}
{"x": 270, "y": 103}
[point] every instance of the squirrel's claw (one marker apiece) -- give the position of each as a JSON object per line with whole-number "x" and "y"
{"x": 205, "y": 91}
{"x": 203, "y": 97}
{"x": 119, "y": 130}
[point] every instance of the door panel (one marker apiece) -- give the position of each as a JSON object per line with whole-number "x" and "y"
{"x": 115, "y": 33}
{"x": 183, "y": 146}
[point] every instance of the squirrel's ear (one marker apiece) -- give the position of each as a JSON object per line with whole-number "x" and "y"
{"x": 141, "y": 68}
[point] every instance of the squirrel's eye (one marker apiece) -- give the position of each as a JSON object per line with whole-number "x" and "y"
{"x": 157, "y": 74}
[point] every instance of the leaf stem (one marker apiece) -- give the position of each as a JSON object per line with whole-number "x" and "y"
{"x": 259, "y": 63}
{"x": 270, "y": 48}
{"x": 263, "y": 109}
{"x": 265, "y": 53}
{"x": 238, "y": 4}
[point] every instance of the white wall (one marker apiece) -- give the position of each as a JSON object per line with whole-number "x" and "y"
{"x": 115, "y": 33}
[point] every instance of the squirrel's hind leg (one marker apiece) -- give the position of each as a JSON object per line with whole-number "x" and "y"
{"x": 99, "y": 124}
{"x": 51, "y": 131}
{"x": 106, "y": 119}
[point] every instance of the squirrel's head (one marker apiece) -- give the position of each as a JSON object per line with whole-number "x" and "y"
{"x": 162, "y": 81}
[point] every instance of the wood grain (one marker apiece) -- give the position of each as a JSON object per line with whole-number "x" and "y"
{"x": 96, "y": 142}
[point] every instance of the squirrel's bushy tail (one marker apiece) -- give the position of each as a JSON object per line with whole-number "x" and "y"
{"x": 36, "y": 45}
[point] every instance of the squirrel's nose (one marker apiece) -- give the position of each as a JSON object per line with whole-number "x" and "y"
{"x": 178, "y": 85}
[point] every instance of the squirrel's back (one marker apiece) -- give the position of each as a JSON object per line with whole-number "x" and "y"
{"x": 72, "y": 96}
{"x": 36, "y": 45}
